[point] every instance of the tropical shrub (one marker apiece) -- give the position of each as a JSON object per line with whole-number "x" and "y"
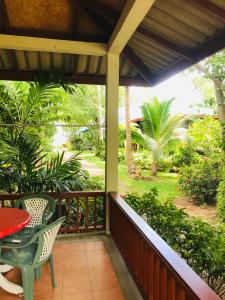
{"x": 206, "y": 134}
{"x": 200, "y": 244}
{"x": 221, "y": 198}
{"x": 27, "y": 168}
{"x": 200, "y": 181}
{"x": 94, "y": 183}
{"x": 165, "y": 164}
{"x": 78, "y": 142}
{"x": 185, "y": 156}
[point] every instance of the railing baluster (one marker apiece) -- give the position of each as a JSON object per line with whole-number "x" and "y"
{"x": 95, "y": 212}
{"x": 78, "y": 213}
{"x": 64, "y": 202}
{"x": 86, "y": 212}
{"x": 68, "y": 202}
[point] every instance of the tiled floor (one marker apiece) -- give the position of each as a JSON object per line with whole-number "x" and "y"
{"x": 83, "y": 270}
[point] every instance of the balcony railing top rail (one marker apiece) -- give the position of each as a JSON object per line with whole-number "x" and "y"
{"x": 157, "y": 269}
{"x": 84, "y": 210}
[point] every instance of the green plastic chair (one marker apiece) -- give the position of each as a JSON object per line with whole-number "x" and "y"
{"x": 30, "y": 256}
{"x": 41, "y": 208}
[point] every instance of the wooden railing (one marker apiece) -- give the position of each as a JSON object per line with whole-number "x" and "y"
{"x": 84, "y": 211}
{"x": 158, "y": 271}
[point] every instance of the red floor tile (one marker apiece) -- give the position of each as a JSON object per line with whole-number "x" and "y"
{"x": 83, "y": 271}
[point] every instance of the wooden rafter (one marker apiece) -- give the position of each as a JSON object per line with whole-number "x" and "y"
{"x": 132, "y": 15}
{"x": 128, "y": 53}
{"x": 211, "y": 46}
{"x": 77, "y": 78}
{"x": 4, "y": 16}
{"x": 113, "y": 15}
{"x": 166, "y": 43}
{"x": 51, "y": 45}
{"x": 210, "y": 7}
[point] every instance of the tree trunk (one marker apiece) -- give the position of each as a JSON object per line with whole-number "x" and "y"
{"x": 129, "y": 153}
{"x": 218, "y": 85}
{"x": 99, "y": 115}
{"x": 154, "y": 169}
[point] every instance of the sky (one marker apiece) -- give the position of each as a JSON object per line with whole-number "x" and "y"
{"x": 179, "y": 86}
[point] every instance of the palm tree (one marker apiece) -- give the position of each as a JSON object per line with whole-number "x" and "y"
{"x": 129, "y": 153}
{"x": 160, "y": 129}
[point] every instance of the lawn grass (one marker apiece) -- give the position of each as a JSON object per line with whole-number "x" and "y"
{"x": 166, "y": 183}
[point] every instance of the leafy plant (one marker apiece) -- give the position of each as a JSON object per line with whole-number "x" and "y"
{"x": 221, "y": 198}
{"x": 200, "y": 181}
{"x": 200, "y": 244}
{"x": 160, "y": 129}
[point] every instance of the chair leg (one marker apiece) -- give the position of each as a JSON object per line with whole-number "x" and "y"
{"x": 28, "y": 282}
{"x": 37, "y": 272}
{"x": 54, "y": 284}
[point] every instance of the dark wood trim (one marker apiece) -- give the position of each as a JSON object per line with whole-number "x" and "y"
{"x": 76, "y": 78}
{"x": 165, "y": 43}
{"x": 127, "y": 227}
{"x": 210, "y": 7}
{"x": 211, "y": 46}
{"x": 107, "y": 29}
{"x": 138, "y": 64}
{"x": 113, "y": 15}
{"x": 64, "y": 200}
{"x": 4, "y": 16}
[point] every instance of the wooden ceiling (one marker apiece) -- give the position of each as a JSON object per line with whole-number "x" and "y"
{"x": 174, "y": 35}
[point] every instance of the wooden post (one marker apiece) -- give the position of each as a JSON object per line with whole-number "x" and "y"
{"x": 112, "y": 99}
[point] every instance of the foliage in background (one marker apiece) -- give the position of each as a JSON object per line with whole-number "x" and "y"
{"x": 26, "y": 107}
{"x": 200, "y": 181}
{"x": 160, "y": 129}
{"x": 221, "y": 198}
{"x": 200, "y": 244}
{"x": 184, "y": 156}
{"x": 27, "y": 169}
{"x": 206, "y": 136}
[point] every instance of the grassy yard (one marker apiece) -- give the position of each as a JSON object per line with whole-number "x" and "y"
{"x": 165, "y": 182}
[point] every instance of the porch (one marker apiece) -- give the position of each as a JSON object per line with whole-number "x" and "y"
{"x": 86, "y": 267}
{"x": 92, "y": 265}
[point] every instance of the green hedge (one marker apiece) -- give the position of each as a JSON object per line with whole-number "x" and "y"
{"x": 200, "y": 244}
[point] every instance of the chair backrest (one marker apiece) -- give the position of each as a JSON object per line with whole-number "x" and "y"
{"x": 46, "y": 238}
{"x": 40, "y": 207}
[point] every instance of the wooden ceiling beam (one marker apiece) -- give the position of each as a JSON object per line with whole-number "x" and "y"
{"x": 211, "y": 46}
{"x": 78, "y": 78}
{"x": 210, "y": 7}
{"x": 165, "y": 43}
{"x": 14, "y": 42}
{"x": 132, "y": 15}
{"x": 128, "y": 53}
{"x": 113, "y": 15}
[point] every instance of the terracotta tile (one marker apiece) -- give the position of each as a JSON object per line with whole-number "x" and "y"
{"x": 77, "y": 285}
{"x": 94, "y": 246}
{"x": 103, "y": 281}
{"x": 79, "y": 296}
{"x": 48, "y": 297}
{"x": 74, "y": 257}
{"x": 97, "y": 256}
{"x": 14, "y": 276}
{"x": 112, "y": 294}
{"x": 74, "y": 246}
{"x": 76, "y": 269}
{"x": 101, "y": 267}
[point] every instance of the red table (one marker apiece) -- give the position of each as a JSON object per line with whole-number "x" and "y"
{"x": 11, "y": 221}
